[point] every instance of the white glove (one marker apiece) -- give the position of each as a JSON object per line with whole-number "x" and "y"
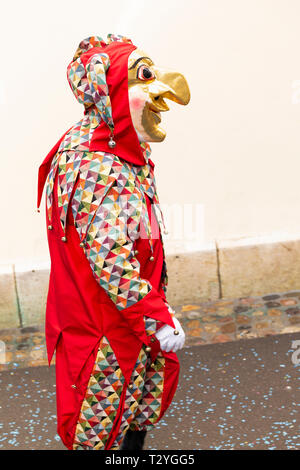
{"x": 168, "y": 340}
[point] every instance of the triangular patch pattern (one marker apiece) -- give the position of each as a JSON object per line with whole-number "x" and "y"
{"x": 149, "y": 408}
{"x": 101, "y": 402}
{"x": 108, "y": 207}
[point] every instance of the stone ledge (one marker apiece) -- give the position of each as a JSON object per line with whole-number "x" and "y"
{"x": 9, "y": 311}
{"x": 254, "y": 269}
{"x": 235, "y": 268}
{"x": 32, "y": 288}
{"x": 204, "y": 323}
{"x": 193, "y": 277}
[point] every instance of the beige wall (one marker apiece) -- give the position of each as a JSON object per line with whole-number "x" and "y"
{"x": 235, "y": 149}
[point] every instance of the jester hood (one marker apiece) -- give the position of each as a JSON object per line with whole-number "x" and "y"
{"x": 106, "y": 297}
{"x": 98, "y": 76}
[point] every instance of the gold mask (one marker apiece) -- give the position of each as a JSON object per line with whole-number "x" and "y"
{"x": 148, "y": 86}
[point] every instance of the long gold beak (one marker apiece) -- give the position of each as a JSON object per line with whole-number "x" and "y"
{"x": 170, "y": 85}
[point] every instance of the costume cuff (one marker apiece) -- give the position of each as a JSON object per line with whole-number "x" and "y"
{"x": 152, "y": 307}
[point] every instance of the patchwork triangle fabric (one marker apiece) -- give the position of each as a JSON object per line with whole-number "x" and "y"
{"x": 109, "y": 208}
{"x": 102, "y": 401}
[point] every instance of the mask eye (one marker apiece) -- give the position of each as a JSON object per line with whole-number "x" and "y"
{"x": 145, "y": 73}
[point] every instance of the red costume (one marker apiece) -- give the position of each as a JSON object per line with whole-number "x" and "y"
{"x": 107, "y": 284}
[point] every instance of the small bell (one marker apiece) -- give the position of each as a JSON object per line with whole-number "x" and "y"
{"x": 111, "y": 142}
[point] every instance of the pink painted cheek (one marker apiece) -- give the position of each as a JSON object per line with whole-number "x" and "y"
{"x": 136, "y": 103}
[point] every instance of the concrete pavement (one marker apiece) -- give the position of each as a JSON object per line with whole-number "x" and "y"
{"x": 232, "y": 395}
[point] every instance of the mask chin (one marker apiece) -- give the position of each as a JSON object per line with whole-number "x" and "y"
{"x": 142, "y": 119}
{"x": 147, "y": 138}
{"x": 160, "y": 136}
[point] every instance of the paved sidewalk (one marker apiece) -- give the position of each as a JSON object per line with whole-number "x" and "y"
{"x": 206, "y": 323}
{"x": 233, "y": 395}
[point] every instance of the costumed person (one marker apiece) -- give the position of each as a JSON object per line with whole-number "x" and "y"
{"x": 107, "y": 316}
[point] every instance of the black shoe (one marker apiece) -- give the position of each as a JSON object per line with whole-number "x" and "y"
{"x": 133, "y": 440}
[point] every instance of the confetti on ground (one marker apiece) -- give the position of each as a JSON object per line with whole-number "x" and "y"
{"x": 233, "y": 395}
